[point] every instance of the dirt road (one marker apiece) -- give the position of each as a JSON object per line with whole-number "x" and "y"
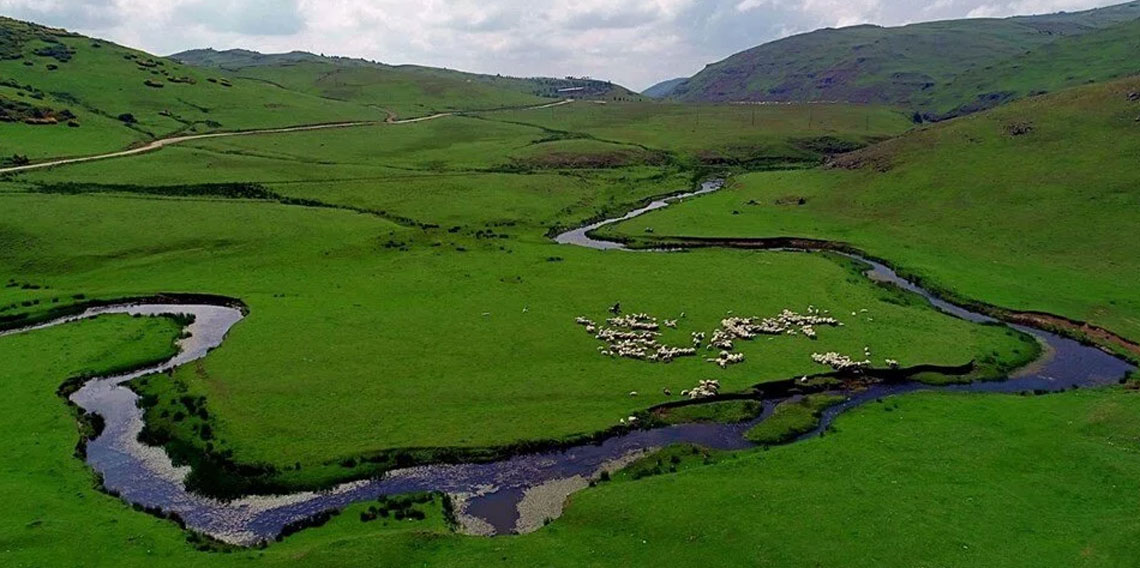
{"x": 163, "y": 142}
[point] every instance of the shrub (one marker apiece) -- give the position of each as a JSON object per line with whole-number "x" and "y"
{"x": 1018, "y": 128}
{"x": 16, "y": 160}
{"x": 56, "y": 51}
{"x": 127, "y": 118}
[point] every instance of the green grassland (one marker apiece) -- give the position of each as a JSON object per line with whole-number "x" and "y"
{"x": 344, "y": 327}
{"x": 1095, "y": 57}
{"x": 307, "y": 71}
{"x": 47, "y": 491}
{"x": 448, "y": 221}
{"x": 748, "y": 135}
{"x": 99, "y": 81}
{"x": 403, "y": 92}
{"x": 727, "y": 412}
{"x": 576, "y": 161}
{"x": 1039, "y": 220}
{"x": 453, "y": 172}
{"x": 792, "y": 418}
{"x": 928, "y": 479}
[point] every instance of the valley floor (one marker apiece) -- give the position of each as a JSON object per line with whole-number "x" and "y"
{"x": 404, "y": 293}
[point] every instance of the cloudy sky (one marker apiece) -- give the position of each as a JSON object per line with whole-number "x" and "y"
{"x": 633, "y": 42}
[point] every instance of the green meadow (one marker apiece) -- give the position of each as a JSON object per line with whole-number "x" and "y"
{"x": 753, "y": 135}
{"x": 351, "y": 316}
{"x": 100, "y": 82}
{"x": 792, "y": 418}
{"x": 400, "y": 91}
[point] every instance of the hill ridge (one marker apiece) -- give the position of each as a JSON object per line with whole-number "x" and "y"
{"x": 900, "y": 65}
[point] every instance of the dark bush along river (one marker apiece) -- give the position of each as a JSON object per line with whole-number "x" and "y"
{"x": 489, "y": 496}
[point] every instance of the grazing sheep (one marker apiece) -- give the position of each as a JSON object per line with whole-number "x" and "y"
{"x": 705, "y": 389}
{"x": 839, "y": 362}
{"x": 635, "y": 335}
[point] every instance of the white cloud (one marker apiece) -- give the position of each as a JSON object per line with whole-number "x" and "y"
{"x": 634, "y": 42}
{"x": 1004, "y": 9}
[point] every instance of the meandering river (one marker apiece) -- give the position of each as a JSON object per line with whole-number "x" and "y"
{"x": 512, "y": 495}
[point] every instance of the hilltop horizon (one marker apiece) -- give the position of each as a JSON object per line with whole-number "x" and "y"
{"x": 623, "y": 45}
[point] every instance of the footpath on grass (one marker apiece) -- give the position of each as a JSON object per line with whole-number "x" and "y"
{"x": 163, "y": 142}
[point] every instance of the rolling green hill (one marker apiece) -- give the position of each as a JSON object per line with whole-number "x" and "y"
{"x": 365, "y": 81}
{"x": 65, "y": 94}
{"x": 933, "y": 66}
{"x": 1070, "y": 61}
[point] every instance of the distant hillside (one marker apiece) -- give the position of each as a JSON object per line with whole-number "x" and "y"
{"x": 237, "y": 58}
{"x": 905, "y": 65}
{"x": 1094, "y": 57}
{"x": 62, "y": 93}
{"x": 360, "y": 71}
{"x": 664, "y": 88}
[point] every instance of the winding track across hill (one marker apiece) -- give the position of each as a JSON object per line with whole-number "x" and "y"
{"x": 163, "y": 142}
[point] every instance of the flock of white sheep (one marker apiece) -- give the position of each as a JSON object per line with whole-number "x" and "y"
{"x": 705, "y": 389}
{"x": 637, "y": 336}
{"x": 841, "y": 362}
